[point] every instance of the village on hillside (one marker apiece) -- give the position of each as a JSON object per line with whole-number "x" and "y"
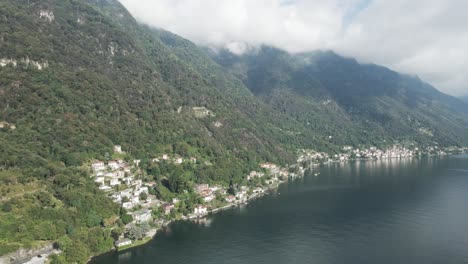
{"x": 127, "y": 185}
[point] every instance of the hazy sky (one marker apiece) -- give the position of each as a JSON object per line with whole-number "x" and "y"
{"x": 428, "y": 38}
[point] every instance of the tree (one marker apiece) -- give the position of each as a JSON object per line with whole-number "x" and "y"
{"x": 125, "y": 199}
{"x": 78, "y": 253}
{"x": 64, "y": 242}
{"x": 135, "y": 233}
{"x": 145, "y": 228}
{"x": 6, "y": 207}
{"x": 173, "y": 214}
{"x": 116, "y": 232}
{"x": 99, "y": 240}
{"x": 45, "y": 231}
{"x": 143, "y": 196}
{"x": 70, "y": 229}
{"x": 232, "y": 190}
{"x": 57, "y": 259}
{"x": 72, "y": 159}
{"x": 93, "y": 219}
{"x": 126, "y": 218}
{"x": 152, "y": 191}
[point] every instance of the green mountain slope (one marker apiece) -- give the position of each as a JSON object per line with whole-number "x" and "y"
{"x": 77, "y": 78}
{"x": 80, "y": 76}
{"x": 350, "y": 101}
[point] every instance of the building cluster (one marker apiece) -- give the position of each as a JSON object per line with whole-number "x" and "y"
{"x": 47, "y": 15}
{"x": 120, "y": 179}
{"x": 175, "y": 159}
{"x": 306, "y": 155}
{"x": 312, "y": 157}
{"x": 202, "y": 112}
{"x": 40, "y": 65}
{"x": 4, "y": 124}
{"x": 208, "y": 193}
{"x": 275, "y": 172}
{"x": 375, "y": 153}
{"x": 273, "y": 175}
{"x": 255, "y": 174}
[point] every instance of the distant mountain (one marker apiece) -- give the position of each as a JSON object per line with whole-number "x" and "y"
{"x": 348, "y": 100}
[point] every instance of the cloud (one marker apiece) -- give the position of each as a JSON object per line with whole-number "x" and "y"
{"x": 428, "y": 38}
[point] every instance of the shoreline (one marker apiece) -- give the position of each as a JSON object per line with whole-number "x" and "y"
{"x": 154, "y": 231}
{"x": 312, "y": 166}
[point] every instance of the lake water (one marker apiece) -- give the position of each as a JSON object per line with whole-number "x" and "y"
{"x": 395, "y": 211}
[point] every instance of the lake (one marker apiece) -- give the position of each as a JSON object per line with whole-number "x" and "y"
{"x": 391, "y": 211}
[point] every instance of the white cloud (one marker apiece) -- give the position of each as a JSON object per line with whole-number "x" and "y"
{"x": 424, "y": 37}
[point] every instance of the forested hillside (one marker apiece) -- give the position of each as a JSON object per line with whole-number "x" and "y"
{"x": 349, "y": 100}
{"x": 80, "y": 76}
{"x": 77, "y": 78}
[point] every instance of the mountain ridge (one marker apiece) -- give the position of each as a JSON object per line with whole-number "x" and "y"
{"x": 354, "y": 87}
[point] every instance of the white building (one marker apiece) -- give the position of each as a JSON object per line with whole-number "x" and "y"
{"x": 200, "y": 210}
{"x": 254, "y": 174}
{"x": 141, "y": 190}
{"x": 137, "y": 183}
{"x": 116, "y": 197}
{"x": 127, "y": 180}
{"x": 208, "y": 198}
{"x": 142, "y": 216}
{"x": 168, "y": 208}
{"x": 114, "y": 182}
{"x": 99, "y": 179}
{"x": 268, "y": 166}
{"x": 127, "y": 169}
{"x": 135, "y": 199}
{"x": 128, "y": 205}
{"x": 98, "y": 166}
{"x": 258, "y": 190}
{"x": 113, "y": 164}
{"x": 242, "y": 195}
{"x": 118, "y": 149}
{"x": 119, "y": 174}
{"x": 123, "y": 242}
{"x": 202, "y": 188}
{"x": 230, "y": 199}
{"x": 105, "y": 188}
{"x": 127, "y": 193}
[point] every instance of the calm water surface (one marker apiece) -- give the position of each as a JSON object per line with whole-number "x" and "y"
{"x": 398, "y": 211}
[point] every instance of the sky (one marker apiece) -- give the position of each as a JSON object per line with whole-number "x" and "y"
{"x": 427, "y": 38}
